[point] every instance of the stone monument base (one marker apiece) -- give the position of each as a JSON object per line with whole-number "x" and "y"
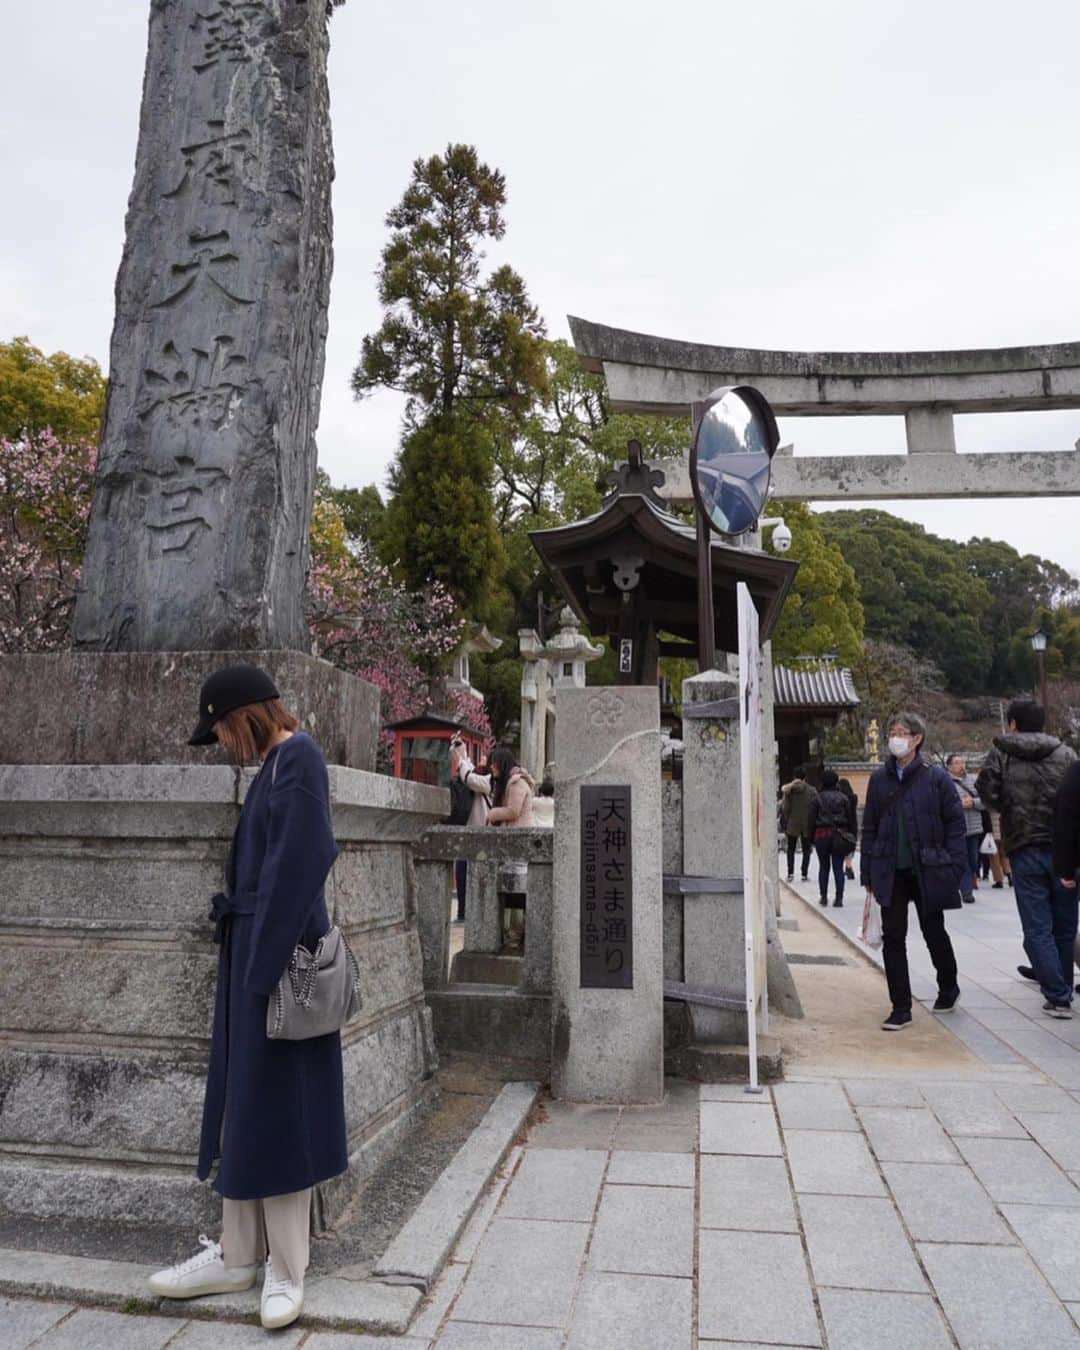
{"x": 108, "y": 970}
{"x": 139, "y": 707}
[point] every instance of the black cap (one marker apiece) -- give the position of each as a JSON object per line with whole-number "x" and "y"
{"x": 228, "y": 688}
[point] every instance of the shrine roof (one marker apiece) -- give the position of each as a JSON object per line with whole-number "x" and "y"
{"x": 829, "y": 688}
{"x": 632, "y": 524}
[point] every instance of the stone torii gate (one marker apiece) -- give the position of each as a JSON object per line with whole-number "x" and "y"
{"x": 647, "y": 374}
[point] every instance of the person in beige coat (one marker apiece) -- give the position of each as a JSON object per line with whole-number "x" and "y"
{"x": 512, "y": 792}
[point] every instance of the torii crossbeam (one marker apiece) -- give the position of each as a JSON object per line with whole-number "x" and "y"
{"x": 646, "y": 374}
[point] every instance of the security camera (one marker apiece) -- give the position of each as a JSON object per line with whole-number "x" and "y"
{"x": 781, "y": 538}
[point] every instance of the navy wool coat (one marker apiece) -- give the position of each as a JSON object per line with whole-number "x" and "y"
{"x": 935, "y": 829}
{"x": 274, "y": 1111}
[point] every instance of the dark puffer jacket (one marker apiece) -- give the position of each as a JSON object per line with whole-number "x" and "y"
{"x": 1020, "y": 779}
{"x": 933, "y": 822}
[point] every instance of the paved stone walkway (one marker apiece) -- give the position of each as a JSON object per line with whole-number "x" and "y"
{"x": 999, "y": 1017}
{"x": 850, "y": 1213}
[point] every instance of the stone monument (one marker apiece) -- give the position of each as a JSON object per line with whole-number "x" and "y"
{"x": 607, "y": 960}
{"x": 199, "y": 530}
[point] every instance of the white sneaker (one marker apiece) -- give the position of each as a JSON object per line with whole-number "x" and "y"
{"x": 282, "y": 1301}
{"x": 203, "y": 1273}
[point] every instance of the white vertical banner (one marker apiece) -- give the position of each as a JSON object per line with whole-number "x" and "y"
{"x": 752, "y": 768}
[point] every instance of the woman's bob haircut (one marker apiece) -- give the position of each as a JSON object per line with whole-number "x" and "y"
{"x": 247, "y": 732}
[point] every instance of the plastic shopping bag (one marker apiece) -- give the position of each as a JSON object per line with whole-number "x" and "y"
{"x": 988, "y": 847}
{"x": 870, "y": 928}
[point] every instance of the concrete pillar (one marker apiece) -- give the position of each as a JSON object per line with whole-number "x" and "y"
{"x": 929, "y": 430}
{"x": 713, "y": 928}
{"x": 538, "y": 928}
{"x": 483, "y": 912}
{"x": 432, "y": 889}
{"x": 608, "y": 1043}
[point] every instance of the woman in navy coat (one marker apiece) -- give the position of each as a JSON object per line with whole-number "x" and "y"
{"x": 274, "y": 1114}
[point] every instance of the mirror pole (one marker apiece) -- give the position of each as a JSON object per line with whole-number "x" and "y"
{"x": 706, "y": 612}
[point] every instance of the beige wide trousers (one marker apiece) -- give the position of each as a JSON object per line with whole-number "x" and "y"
{"x": 280, "y": 1224}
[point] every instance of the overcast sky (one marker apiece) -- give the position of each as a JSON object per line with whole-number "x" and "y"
{"x": 781, "y": 174}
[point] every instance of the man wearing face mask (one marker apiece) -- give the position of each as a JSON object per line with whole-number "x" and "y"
{"x": 913, "y": 851}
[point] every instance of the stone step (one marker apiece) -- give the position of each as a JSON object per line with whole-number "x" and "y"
{"x": 722, "y": 1062}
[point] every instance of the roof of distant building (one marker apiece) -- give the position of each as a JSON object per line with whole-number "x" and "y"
{"x": 828, "y": 686}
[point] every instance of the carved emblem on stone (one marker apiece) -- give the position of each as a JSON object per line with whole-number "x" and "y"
{"x": 605, "y": 709}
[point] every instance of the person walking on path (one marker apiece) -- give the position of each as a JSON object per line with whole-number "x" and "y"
{"x": 1021, "y": 778}
{"x": 1066, "y": 845}
{"x": 999, "y": 863}
{"x": 849, "y": 792}
{"x": 796, "y": 797}
{"x": 283, "y": 1131}
{"x": 973, "y": 823}
{"x": 913, "y": 851}
{"x": 833, "y": 825}
{"x": 1066, "y": 848}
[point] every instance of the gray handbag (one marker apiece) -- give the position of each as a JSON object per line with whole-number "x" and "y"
{"x": 319, "y": 991}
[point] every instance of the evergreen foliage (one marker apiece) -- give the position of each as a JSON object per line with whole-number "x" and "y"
{"x": 451, "y": 339}
{"x": 822, "y": 613}
{"x": 439, "y": 524}
{"x": 58, "y": 393}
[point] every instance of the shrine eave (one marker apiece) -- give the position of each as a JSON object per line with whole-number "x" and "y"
{"x": 580, "y": 558}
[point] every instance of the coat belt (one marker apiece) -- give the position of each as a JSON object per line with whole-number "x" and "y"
{"x": 224, "y": 907}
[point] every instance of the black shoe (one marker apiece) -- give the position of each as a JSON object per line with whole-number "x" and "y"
{"x": 849, "y": 873}
{"x": 968, "y": 899}
{"x": 998, "y": 886}
{"x": 838, "y": 904}
{"x": 896, "y": 1021}
{"x": 1027, "y": 972}
{"x": 806, "y": 876}
{"x": 946, "y": 1002}
{"x": 1008, "y": 880}
{"x": 790, "y": 877}
{"x": 1054, "y": 1009}
{"x": 824, "y": 901}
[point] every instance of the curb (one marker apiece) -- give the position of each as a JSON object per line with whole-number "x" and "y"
{"x": 329, "y": 1301}
{"x": 386, "y": 1303}
{"x": 420, "y": 1250}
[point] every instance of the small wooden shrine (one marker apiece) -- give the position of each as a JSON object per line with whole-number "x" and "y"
{"x": 630, "y": 571}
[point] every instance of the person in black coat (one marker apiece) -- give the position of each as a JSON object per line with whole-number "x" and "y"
{"x": 849, "y": 792}
{"x": 274, "y": 1111}
{"x": 1066, "y": 846}
{"x": 913, "y": 850}
{"x": 833, "y": 828}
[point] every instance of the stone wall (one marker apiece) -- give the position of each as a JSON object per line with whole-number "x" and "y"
{"x": 108, "y": 971}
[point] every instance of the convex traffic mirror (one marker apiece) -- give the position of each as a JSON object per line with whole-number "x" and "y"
{"x": 731, "y": 458}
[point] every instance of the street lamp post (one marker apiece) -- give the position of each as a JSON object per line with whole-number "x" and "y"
{"x": 1038, "y": 646}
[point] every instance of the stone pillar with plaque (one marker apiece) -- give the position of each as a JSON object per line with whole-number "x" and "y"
{"x": 607, "y": 1014}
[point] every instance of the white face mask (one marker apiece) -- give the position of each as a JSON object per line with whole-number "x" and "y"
{"x": 899, "y": 746}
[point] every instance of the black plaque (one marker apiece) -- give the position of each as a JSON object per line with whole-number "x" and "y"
{"x": 607, "y": 889}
